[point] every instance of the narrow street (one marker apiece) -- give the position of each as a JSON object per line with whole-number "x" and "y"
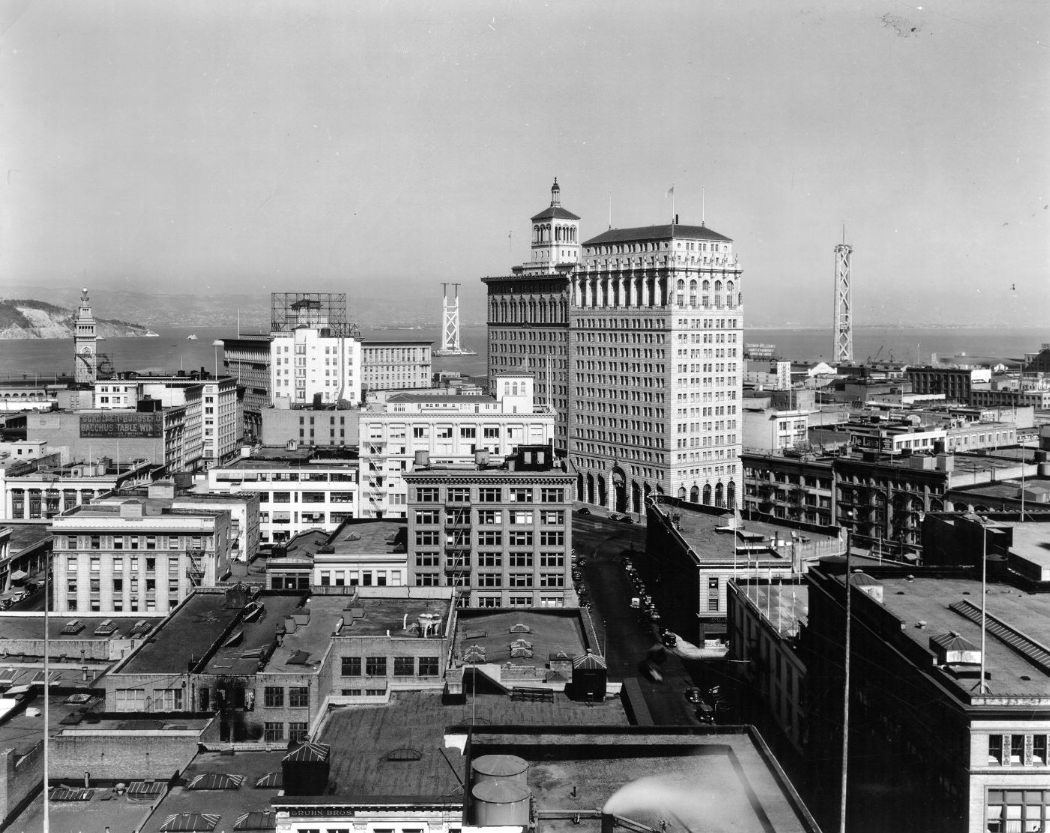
{"x": 603, "y": 543}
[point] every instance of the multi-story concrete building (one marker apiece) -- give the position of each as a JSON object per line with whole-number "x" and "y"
{"x": 446, "y": 428}
{"x": 211, "y": 414}
{"x": 500, "y": 532}
{"x": 242, "y": 507}
{"x": 159, "y": 435}
{"x": 773, "y": 429}
{"x": 43, "y": 488}
{"x": 136, "y": 556}
{"x": 649, "y": 321}
{"x": 528, "y": 312}
{"x": 308, "y": 426}
{"x": 315, "y": 355}
{"x": 395, "y": 365}
{"x": 692, "y": 552}
{"x": 947, "y": 753}
{"x": 299, "y": 489}
{"x": 247, "y": 359}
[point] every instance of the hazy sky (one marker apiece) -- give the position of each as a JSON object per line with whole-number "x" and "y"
{"x": 383, "y": 147}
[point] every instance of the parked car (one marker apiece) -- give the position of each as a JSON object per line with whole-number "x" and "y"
{"x": 583, "y": 510}
{"x": 693, "y": 695}
{"x": 669, "y": 639}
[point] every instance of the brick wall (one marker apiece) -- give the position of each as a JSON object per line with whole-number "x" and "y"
{"x": 121, "y": 756}
{"x": 20, "y": 777}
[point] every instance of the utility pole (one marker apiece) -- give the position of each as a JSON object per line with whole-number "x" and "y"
{"x": 845, "y": 689}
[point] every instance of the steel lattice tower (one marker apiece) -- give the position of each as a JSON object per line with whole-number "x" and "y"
{"x": 843, "y": 304}
{"x": 450, "y": 345}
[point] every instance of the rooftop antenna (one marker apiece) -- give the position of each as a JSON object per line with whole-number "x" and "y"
{"x": 670, "y": 193}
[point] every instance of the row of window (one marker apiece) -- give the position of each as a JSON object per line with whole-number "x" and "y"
{"x": 402, "y": 666}
{"x": 495, "y": 559}
{"x": 1018, "y": 750}
{"x": 130, "y": 542}
{"x": 298, "y": 697}
{"x": 490, "y": 517}
{"x": 493, "y": 538}
{"x": 488, "y": 494}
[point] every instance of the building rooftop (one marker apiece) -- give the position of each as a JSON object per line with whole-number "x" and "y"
{"x": 14, "y": 626}
{"x": 103, "y": 809}
{"x": 711, "y": 536}
{"x": 374, "y": 615}
{"x": 362, "y": 739}
{"x": 784, "y": 606}
{"x": 667, "y": 231}
{"x": 440, "y": 396}
{"x": 241, "y": 653}
{"x": 549, "y": 634}
{"x": 391, "y": 341}
{"x": 22, "y": 732}
{"x": 184, "y": 637}
{"x": 927, "y": 599}
{"x": 230, "y": 804}
{"x": 673, "y": 780}
{"x": 25, "y": 535}
{"x": 370, "y": 538}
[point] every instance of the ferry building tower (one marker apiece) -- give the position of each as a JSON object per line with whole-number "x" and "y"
{"x": 84, "y": 343}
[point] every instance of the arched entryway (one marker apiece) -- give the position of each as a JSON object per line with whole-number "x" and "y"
{"x": 603, "y": 495}
{"x": 694, "y": 495}
{"x": 636, "y": 497}
{"x": 619, "y": 486}
{"x": 707, "y": 494}
{"x": 731, "y": 495}
{"x": 579, "y": 487}
{"x": 720, "y": 501}
{"x": 590, "y": 488}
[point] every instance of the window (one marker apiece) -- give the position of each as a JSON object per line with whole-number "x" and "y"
{"x": 520, "y": 559}
{"x": 167, "y": 699}
{"x": 519, "y": 538}
{"x": 426, "y": 516}
{"x": 299, "y": 697}
{"x": 404, "y": 666}
{"x": 468, "y": 433}
{"x": 419, "y": 431}
{"x": 130, "y": 699}
{"x": 549, "y": 495}
{"x": 273, "y": 732}
{"x": 519, "y": 580}
{"x": 521, "y": 516}
{"x": 427, "y": 580}
{"x": 521, "y": 495}
{"x": 552, "y": 580}
{"x": 489, "y": 495}
{"x": 1039, "y": 750}
{"x": 552, "y": 559}
{"x": 297, "y": 732}
{"x": 552, "y": 538}
{"x": 1017, "y": 811}
{"x": 490, "y": 559}
{"x": 427, "y": 559}
{"x": 490, "y": 538}
{"x": 428, "y": 666}
{"x": 427, "y": 538}
{"x": 375, "y": 666}
{"x": 273, "y": 696}
{"x": 459, "y": 495}
{"x": 490, "y": 517}
{"x": 1016, "y": 749}
{"x": 489, "y": 580}
{"x": 492, "y": 433}
{"x": 426, "y": 494}
{"x": 552, "y": 516}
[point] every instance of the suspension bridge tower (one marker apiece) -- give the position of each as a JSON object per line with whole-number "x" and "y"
{"x": 843, "y": 304}
{"x": 450, "y": 345}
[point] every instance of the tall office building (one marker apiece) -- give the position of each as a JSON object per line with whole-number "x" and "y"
{"x": 528, "y": 312}
{"x": 315, "y": 352}
{"x": 644, "y": 328}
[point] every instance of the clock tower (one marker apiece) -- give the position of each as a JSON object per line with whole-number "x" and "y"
{"x": 84, "y": 339}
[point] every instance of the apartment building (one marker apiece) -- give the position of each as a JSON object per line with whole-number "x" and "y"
{"x": 299, "y": 488}
{"x": 136, "y": 556}
{"x": 498, "y": 530}
{"x": 395, "y": 365}
{"x": 447, "y": 428}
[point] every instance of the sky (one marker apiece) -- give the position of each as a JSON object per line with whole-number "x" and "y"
{"x": 380, "y": 148}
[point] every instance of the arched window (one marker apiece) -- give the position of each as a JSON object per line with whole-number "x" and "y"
{"x": 719, "y": 498}
{"x": 694, "y": 495}
{"x": 707, "y": 286}
{"x": 681, "y": 492}
{"x": 718, "y": 286}
{"x": 729, "y": 286}
{"x": 731, "y": 495}
{"x": 707, "y": 495}
{"x": 680, "y": 285}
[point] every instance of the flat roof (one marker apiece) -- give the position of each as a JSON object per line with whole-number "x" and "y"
{"x": 423, "y": 396}
{"x": 250, "y": 637}
{"x": 363, "y": 738}
{"x": 711, "y": 538}
{"x": 14, "y": 626}
{"x": 103, "y": 810}
{"x": 1032, "y": 541}
{"x": 187, "y": 634}
{"x": 549, "y": 634}
{"x": 385, "y": 341}
{"x": 303, "y": 457}
{"x": 376, "y": 615}
{"x": 388, "y": 537}
{"x": 927, "y": 599}
{"x": 21, "y": 732}
{"x": 672, "y": 780}
{"x": 229, "y": 805}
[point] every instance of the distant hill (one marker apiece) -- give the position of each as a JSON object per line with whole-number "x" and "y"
{"x": 27, "y": 318}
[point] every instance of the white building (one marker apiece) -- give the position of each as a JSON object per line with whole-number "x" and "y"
{"x": 298, "y": 490}
{"x": 305, "y": 363}
{"x": 446, "y": 428}
{"x": 769, "y": 429}
{"x": 135, "y": 557}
